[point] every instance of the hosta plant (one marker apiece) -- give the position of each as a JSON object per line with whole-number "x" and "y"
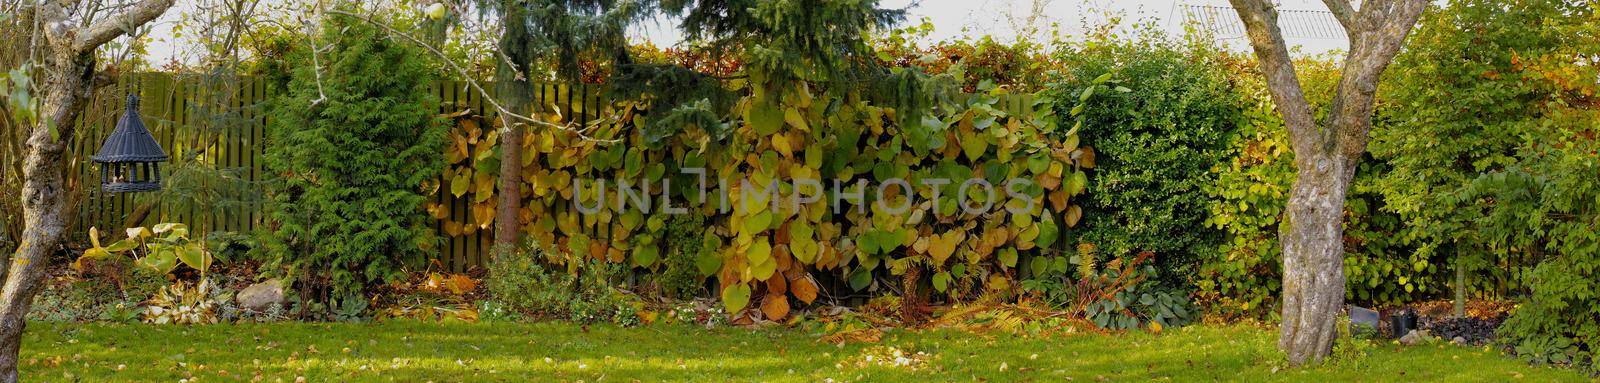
{"x": 182, "y": 303}
{"x": 162, "y": 248}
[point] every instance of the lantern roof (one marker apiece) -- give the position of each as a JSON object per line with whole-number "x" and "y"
{"x": 130, "y": 141}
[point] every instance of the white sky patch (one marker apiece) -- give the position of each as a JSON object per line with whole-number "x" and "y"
{"x": 952, "y": 19}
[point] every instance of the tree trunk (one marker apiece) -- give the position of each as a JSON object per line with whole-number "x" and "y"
{"x": 516, "y": 90}
{"x": 1313, "y": 257}
{"x": 69, "y": 82}
{"x": 1461, "y": 288}
{"x": 43, "y": 199}
{"x": 910, "y": 302}
{"x": 1326, "y": 155}
{"x": 507, "y": 225}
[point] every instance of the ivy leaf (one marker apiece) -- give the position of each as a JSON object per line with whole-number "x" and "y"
{"x": 459, "y": 184}
{"x": 1008, "y": 257}
{"x": 793, "y": 117}
{"x": 941, "y": 281}
{"x": 860, "y": 278}
{"x": 940, "y": 247}
{"x": 804, "y": 288}
{"x": 757, "y": 223}
{"x": 764, "y": 270}
{"x": 780, "y": 142}
{"x": 775, "y": 307}
{"x": 1077, "y": 182}
{"x": 645, "y": 256}
{"x": 973, "y": 145}
{"x": 708, "y": 262}
{"x": 735, "y": 297}
{"x": 765, "y": 118}
{"x": 760, "y": 251}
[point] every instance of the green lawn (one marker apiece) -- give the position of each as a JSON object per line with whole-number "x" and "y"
{"x": 419, "y": 352}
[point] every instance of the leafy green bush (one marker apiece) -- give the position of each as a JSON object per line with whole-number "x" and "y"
{"x": 681, "y": 279}
{"x": 1461, "y": 100}
{"x": 1156, "y": 139}
{"x": 352, "y": 143}
{"x": 1550, "y": 207}
{"x": 1547, "y": 207}
{"x": 521, "y": 282}
{"x": 1491, "y": 135}
{"x": 1243, "y": 277}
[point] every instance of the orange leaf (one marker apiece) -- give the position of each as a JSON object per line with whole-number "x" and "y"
{"x": 804, "y": 288}
{"x": 777, "y": 285}
{"x": 1074, "y": 213}
{"x": 775, "y": 307}
{"x": 460, "y": 284}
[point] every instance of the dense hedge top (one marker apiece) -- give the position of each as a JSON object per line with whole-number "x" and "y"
{"x": 758, "y": 246}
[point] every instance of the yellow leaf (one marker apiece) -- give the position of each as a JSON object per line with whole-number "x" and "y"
{"x": 793, "y": 117}
{"x": 780, "y": 142}
{"x": 942, "y": 246}
{"x": 460, "y": 284}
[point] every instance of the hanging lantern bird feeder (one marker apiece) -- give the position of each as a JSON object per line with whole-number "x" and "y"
{"x": 130, "y": 159}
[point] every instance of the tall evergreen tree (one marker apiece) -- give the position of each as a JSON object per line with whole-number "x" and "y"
{"x": 352, "y": 143}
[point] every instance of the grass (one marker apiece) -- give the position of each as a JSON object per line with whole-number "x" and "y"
{"x": 420, "y": 352}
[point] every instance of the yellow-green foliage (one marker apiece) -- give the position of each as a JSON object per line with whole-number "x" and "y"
{"x": 760, "y": 255}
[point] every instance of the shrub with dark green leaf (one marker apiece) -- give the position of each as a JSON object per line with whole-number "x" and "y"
{"x": 582, "y": 292}
{"x": 352, "y": 143}
{"x": 1156, "y": 136}
{"x": 1492, "y": 133}
{"x": 681, "y": 278}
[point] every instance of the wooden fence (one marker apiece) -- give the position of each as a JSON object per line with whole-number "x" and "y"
{"x": 223, "y": 122}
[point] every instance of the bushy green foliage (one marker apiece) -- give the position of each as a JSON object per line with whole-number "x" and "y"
{"x": 1458, "y": 104}
{"x": 352, "y": 142}
{"x": 681, "y": 277}
{"x": 1491, "y": 136}
{"x": 582, "y": 293}
{"x": 1022, "y": 66}
{"x": 1156, "y": 137}
{"x": 1550, "y": 207}
{"x": 1243, "y": 278}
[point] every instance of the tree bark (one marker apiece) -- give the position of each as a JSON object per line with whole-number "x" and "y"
{"x": 516, "y": 90}
{"x": 67, "y": 87}
{"x": 1326, "y": 156}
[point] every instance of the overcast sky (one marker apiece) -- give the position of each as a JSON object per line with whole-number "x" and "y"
{"x": 1306, "y": 22}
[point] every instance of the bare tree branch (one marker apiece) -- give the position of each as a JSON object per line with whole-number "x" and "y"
{"x": 1261, "y": 25}
{"x": 581, "y": 131}
{"x": 1344, "y": 13}
{"x": 104, "y": 30}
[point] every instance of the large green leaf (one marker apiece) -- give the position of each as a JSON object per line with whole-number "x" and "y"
{"x": 760, "y": 251}
{"x": 736, "y": 297}
{"x": 860, "y": 278}
{"x": 765, "y": 117}
{"x": 160, "y": 260}
{"x": 193, "y": 255}
{"x": 645, "y": 255}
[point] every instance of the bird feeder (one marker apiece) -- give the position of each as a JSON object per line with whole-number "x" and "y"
{"x": 130, "y": 159}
